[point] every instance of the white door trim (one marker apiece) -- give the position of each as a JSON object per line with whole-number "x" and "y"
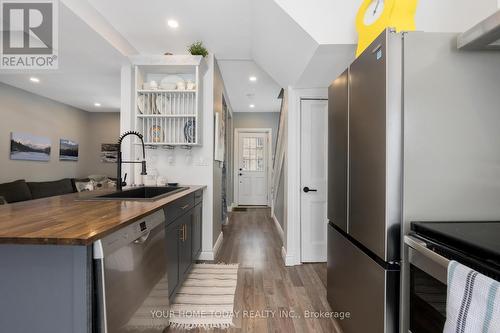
{"x": 292, "y": 231}
{"x": 236, "y": 144}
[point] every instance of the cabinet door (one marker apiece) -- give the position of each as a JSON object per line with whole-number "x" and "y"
{"x": 185, "y": 249}
{"x": 172, "y": 238}
{"x": 196, "y": 230}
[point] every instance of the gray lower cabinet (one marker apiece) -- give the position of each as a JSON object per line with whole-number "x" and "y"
{"x": 185, "y": 244}
{"x": 196, "y": 229}
{"x": 184, "y": 222}
{"x": 172, "y": 238}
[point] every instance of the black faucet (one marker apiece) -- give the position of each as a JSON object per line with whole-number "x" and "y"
{"x": 119, "y": 181}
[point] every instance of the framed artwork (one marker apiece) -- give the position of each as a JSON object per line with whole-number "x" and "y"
{"x": 29, "y": 147}
{"x": 109, "y": 152}
{"x": 68, "y": 150}
{"x": 220, "y": 133}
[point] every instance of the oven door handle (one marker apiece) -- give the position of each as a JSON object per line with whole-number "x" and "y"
{"x": 427, "y": 260}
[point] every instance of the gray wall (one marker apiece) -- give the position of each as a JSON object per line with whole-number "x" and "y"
{"x": 217, "y": 174}
{"x": 258, "y": 120}
{"x": 451, "y": 135}
{"x": 25, "y": 112}
{"x": 103, "y": 127}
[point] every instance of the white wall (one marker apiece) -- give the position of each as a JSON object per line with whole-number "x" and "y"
{"x": 291, "y": 250}
{"x": 327, "y": 21}
{"x": 452, "y": 15}
{"x": 258, "y": 120}
{"x": 333, "y": 21}
{"x": 26, "y": 112}
{"x": 279, "y": 46}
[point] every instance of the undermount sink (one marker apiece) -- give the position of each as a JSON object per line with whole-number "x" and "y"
{"x": 142, "y": 193}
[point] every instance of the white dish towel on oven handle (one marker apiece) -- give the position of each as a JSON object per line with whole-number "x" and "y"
{"x": 473, "y": 302}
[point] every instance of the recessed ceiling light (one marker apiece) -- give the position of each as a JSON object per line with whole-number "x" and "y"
{"x": 34, "y": 79}
{"x": 173, "y": 24}
{"x": 97, "y": 104}
{"x": 253, "y": 78}
{"x": 252, "y": 106}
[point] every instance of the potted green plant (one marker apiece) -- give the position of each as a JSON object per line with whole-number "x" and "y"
{"x": 197, "y": 48}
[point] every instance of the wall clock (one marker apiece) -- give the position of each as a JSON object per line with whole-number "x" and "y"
{"x": 376, "y": 15}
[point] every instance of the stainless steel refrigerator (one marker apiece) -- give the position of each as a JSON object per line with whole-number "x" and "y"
{"x": 398, "y": 151}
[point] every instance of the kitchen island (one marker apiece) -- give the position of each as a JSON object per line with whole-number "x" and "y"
{"x": 48, "y": 275}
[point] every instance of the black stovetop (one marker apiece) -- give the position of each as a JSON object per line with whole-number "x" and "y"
{"x": 478, "y": 239}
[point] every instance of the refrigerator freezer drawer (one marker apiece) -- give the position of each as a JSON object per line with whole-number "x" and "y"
{"x": 359, "y": 285}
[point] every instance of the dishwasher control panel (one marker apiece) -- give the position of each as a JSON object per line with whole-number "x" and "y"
{"x": 127, "y": 234}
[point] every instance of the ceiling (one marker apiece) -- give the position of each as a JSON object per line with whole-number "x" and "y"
{"x": 225, "y": 29}
{"x": 285, "y": 43}
{"x": 262, "y": 93}
{"x": 223, "y": 25}
{"x": 89, "y": 69}
{"x": 327, "y": 62}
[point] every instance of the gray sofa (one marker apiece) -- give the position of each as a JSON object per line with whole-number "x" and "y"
{"x": 20, "y": 190}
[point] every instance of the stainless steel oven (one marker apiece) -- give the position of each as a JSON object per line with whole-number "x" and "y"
{"x": 428, "y": 287}
{"x": 431, "y": 246}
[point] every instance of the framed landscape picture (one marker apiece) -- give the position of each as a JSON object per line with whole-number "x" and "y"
{"x": 109, "y": 152}
{"x": 29, "y": 147}
{"x": 68, "y": 150}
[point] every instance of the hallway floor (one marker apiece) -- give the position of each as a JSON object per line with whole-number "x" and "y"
{"x": 265, "y": 286}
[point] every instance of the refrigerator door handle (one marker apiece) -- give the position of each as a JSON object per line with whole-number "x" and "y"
{"x": 427, "y": 260}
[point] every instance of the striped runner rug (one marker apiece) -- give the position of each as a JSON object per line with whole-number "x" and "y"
{"x": 206, "y": 298}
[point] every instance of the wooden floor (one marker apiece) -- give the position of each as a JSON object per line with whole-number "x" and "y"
{"x": 266, "y": 285}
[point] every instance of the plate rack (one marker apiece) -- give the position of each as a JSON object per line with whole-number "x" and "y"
{"x": 167, "y": 118}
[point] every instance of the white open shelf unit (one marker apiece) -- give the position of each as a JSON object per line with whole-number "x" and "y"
{"x": 167, "y": 117}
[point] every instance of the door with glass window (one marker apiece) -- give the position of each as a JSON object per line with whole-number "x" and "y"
{"x": 252, "y": 168}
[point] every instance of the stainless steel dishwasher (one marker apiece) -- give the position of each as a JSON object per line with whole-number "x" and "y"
{"x": 131, "y": 286}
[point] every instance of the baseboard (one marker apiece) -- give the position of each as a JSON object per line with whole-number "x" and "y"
{"x": 230, "y": 207}
{"x": 278, "y": 227}
{"x": 288, "y": 259}
{"x": 206, "y": 255}
{"x": 210, "y": 255}
{"x": 218, "y": 244}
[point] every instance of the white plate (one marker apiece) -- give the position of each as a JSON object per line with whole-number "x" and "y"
{"x": 163, "y": 104}
{"x": 140, "y": 104}
{"x": 171, "y": 79}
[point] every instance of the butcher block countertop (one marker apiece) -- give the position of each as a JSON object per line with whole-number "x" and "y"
{"x": 68, "y": 220}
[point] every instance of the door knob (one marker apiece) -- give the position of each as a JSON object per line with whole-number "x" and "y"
{"x": 241, "y": 169}
{"x": 307, "y": 189}
{"x": 240, "y": 174}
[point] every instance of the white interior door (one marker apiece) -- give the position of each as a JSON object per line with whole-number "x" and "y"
{"x": 313, "y": 147}
{"x": 252, "y": 168}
